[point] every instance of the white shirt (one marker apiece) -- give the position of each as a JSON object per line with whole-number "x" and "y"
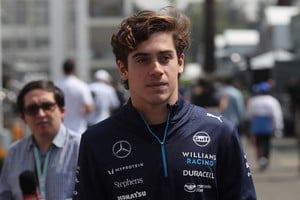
{"x": 266, "y": 105}
{"x": 106, "y": 100}
{"x": 77, "y": 94}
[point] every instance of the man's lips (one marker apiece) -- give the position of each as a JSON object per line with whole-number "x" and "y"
{"x": 157, "y": 84}
{"x": 42, "y": 122}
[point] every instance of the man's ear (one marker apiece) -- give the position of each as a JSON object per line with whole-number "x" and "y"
{"x": 63, "y": 110}
{"x": 181, "y": 63}
{"x": 122, "y": 69}
{"x": 22, "y": 116}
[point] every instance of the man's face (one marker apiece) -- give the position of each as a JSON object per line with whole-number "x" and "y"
{"x": 41, "y": 113}
{"x": 153, "y": 70}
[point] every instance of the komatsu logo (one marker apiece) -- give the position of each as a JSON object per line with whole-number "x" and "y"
{"x": 201, "y": 139}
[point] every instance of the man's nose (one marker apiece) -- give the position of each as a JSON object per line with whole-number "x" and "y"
{"x": 41, "y": 112}
{"x": 156, "y": 68}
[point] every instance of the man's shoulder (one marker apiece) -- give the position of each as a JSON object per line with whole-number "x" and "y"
{"x": 19, "y": 147}
{"x": 75, "y": 137}
{"x": 103, "y": 129}
{"x": 209, "y": 117}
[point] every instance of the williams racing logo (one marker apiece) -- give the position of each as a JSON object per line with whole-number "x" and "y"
{"x": 201, "y": 139}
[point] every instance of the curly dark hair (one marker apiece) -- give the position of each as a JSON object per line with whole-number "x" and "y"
{"x": 140, "y": 26}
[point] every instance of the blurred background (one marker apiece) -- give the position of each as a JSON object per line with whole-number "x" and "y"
{"x": 255, "y": 40}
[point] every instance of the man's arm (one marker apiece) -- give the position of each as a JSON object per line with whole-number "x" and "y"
{"x": 234, "y": 177}
{"x": 5, "y": 192}
{"x": 87, "y": 184}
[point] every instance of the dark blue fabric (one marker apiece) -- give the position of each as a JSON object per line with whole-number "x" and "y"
{"x": 204, "y": 155}
{"x": 262, "y": 125}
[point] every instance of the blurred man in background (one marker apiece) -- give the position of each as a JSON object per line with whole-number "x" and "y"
{"x": 79, "y": 100}
{"x": 232, "y": 102}
{"x": 266, "y": 120}
{"x": 50, "y": 152}
{"x": 105, "y": 97}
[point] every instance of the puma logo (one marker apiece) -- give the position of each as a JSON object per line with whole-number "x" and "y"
{"x": 214, "y": 116}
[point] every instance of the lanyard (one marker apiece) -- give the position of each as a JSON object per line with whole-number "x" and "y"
{"x": 161, "y": 142}
{"x": 41, "y": 170}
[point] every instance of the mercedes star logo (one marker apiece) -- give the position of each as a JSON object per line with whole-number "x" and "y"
{"x": 121, "y": 149}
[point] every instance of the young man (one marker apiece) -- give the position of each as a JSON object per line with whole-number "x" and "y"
{"x": 159, "y": 146}
{"x": 50, "y": 152}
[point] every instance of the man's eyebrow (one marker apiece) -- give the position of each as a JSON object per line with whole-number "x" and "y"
{"x": 146, "y": 54}
{"x": 166, "y": 52}
{"x": 139, "y": 54}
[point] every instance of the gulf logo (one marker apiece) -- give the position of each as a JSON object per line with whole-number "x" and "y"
{"x": 201, "y": 139}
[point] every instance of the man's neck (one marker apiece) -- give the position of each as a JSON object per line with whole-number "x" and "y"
{"x": 43, "y": 143}
{"x": 155, "y": 115}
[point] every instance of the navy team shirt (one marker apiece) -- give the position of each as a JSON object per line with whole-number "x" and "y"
{"x": 200, "y": 157}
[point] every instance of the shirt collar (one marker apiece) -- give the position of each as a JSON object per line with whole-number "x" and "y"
{"x": 58, "y": 141}
{"x": 61, "y": 136}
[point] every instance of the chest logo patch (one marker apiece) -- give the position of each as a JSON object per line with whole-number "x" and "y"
{"x": 121, "y": 149}
{"x": 190, "y": 187}
{"x": 201, "y": 139}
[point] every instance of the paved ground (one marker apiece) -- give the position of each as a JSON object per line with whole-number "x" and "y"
{"x": 281, "y": 181}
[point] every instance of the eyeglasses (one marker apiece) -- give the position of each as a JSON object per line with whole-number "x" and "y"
{"x": 34, "y": 109}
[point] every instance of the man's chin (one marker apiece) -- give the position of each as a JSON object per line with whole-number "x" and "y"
{"x": 159, "y": 99}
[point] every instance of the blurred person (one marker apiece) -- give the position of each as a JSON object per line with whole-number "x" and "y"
{"x": 17, "y": 130}
{"x": 79, "y": 100}
{"x": 3, "y": 153}
{"x": 204, "y": 95}
{"x": 50, "y": 151}
{"x": 266, "y": 120}
{"x": 232, "y": 103}
{"x": 293, "y": 89}
{"x": 122, "y": 93}
{"x": 105, "y": 97}
{"x": 159, "y": 146}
